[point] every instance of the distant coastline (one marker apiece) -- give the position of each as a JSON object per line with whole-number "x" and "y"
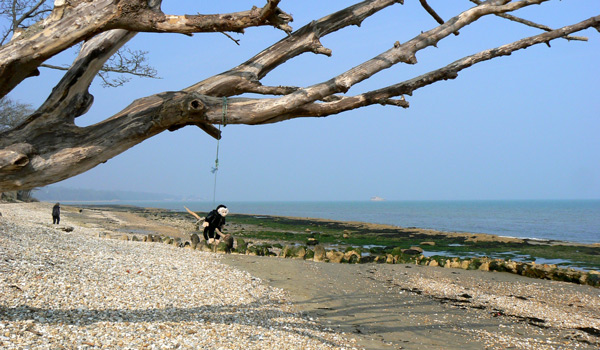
{"x": 80, "y": 195}
{"x": 560, "y": 220}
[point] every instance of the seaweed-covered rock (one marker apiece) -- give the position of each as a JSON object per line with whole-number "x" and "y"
{"x": 380, "y": 259}
{"x": 299, "y": 253}
{"x": 513, "y": 266}
{"x": 227, "y": 242}
{"x": 397, "y": 251}
{"x": 335, "y": 256}
{"x": 391, "y": 259}
{"x": 223, "y": 247}
{"x": 319, "y": 254}
{"x": 433, "y": 262}
{"x": 498, "y": 265}
{"x": 465, "y": 264}
{"x": 241, "y": 246}
{"x": 287, "y": 251}
{"x": 566, "y": 275}
{"x": 312, "y": 241}
{"x": 592, "y": 278}
{"x": 310, "y": 254}
{"x": 352, "y": 256}
{"x": 413, "y": 251}
{"x": 203, "y": 246}
{"x": 194, "y": 238}
{"x": 252, "y": 250}
{"x": 534, "y": 270}
{"x": 259, "y": 250}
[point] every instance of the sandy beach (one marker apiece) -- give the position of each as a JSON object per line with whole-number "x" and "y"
{"x": 91, "y": 288}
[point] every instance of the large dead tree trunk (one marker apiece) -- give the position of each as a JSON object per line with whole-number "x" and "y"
{"x": 48, "y": 147}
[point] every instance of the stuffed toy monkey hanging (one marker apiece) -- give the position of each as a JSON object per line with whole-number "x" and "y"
{"x": 213, "y": 223}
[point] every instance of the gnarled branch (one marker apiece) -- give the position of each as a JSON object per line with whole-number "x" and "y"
{"x": 49, "y": 147}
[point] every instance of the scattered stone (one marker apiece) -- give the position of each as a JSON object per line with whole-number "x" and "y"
{"x": 287, "y": 251}
{"x": 312, "y": 241}
{"x": 592, "y": 278}
{"x": 320, "y": 254}
{"x": 335, "y": 256}
{"x": 413, "y": 251}
{"x": 241, "y": 246}
{"x": 427, "y": 243}
{"x": 380, "y": 259}
{"x": 391, "y": 259}
{"x": 203, "y": 246}
{"x": 135, "y": 295}
{"x": 194, "y": 238}
{"x": 299, "y": 253}
{"x": 352, "y": 257}
{"x": 226, "y": 243}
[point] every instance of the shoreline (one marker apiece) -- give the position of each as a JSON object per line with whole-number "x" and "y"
{"x": 374, "y": 226}
{"x": 337, "y": 210}
{"x": 458, "y": 245}
{"x": 376, "y": 306}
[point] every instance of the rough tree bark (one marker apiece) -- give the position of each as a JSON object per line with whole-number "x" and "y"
{"x": 48, "y": 147}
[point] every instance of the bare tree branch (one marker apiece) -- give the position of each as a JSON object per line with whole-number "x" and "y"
{"x": 448, "y": 72}
{"x": 432, "y": 12}
{"x": 74, "y": 22}
{"x": 49, "y": 147}
{"x": 530, "y": 23}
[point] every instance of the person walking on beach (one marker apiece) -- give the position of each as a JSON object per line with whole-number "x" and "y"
{"x": 56, "y": 214}
{"x": 214, "y": 221}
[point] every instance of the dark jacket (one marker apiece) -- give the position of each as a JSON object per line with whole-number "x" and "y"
{"x": 215, "y": 220}
{"x": 56, "y": 210}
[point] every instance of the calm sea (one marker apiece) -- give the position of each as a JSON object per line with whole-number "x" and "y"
{"x": 565, "y": 220}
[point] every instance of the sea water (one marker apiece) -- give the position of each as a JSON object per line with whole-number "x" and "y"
{"x": 563, "y": 220}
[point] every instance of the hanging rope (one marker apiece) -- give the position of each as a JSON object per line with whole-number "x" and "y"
{"x": 215, "y": 169}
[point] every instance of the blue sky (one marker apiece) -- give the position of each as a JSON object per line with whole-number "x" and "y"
{"x": 519, "y": 127}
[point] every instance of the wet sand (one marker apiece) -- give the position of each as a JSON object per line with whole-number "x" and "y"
{"x": 406, "y": 306}
{"x": 381, "y": 308}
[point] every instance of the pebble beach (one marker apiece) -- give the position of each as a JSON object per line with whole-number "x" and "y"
{"x": 74, "y": 290}
{"x": 71, "y": 286}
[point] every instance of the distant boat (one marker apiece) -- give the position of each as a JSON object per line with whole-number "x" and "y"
{"x": 377, "y": 199}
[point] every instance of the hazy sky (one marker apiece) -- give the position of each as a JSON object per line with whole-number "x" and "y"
{"x": 524, "y": 126}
